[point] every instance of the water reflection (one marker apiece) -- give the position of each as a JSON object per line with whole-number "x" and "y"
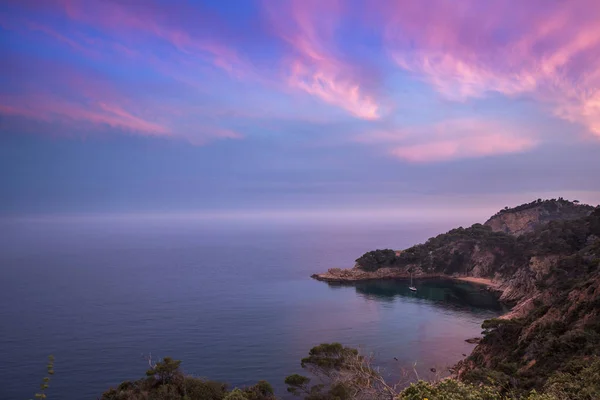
{"x": 444, "y": 293}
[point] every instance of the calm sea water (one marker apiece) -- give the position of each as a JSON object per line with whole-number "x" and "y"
{"x": 234, "y": 301}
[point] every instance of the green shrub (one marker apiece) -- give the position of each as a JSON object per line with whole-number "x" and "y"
{"x": 579, "y": 381}
{"x": 236, "y": 394}
{"x": 195, "y": 388}
{"x": 448, "y": 389}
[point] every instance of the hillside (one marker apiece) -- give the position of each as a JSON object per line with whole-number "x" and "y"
{"x": 555, "y": 328}
{"x": 514, "y": 260}
{"x": 544, "y": 257}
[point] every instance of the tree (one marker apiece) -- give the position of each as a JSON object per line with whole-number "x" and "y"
{"x": 166, "y": 370}
{"x": 236, "y": 394}
{"x": 298, "y": 384}
{"x": 195, "y": 388}
{"x": 261, "y": 391}
{"x": 344, "y": 373}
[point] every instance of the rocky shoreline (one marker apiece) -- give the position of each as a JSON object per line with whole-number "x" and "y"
{"x": 339, "y": 275}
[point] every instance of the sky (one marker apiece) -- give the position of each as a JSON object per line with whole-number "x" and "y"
{"x": 251, "y": 107}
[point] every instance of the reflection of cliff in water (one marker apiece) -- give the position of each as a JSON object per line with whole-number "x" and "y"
{"x": 444, "y": 292}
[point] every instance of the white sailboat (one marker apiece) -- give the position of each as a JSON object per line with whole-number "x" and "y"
{"x": 411, "y": 287}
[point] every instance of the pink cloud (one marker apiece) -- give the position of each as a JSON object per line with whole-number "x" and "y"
{"x": 55, "y": 91}
{"x": 465, "y": 147}
{"x": 76, "y": 97}
{"x": 48, "y": 107}
{"x": 308, "y": 27}
{"x": 451, "y": 140}
{"x": 548, "y": 51}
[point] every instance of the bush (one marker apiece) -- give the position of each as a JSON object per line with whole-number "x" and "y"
{"x": 236, "y": 394}
{"x": 579, "y": 381}
{"x": 449, "y": 389}
{"x": 195, "y": 388}
{"x": 166, "y": 381}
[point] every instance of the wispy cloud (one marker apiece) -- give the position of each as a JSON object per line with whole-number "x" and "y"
{"x": 466, "y": 50}
{"x": 451, "y": 140}
{"x": 47, "y": 107}
{"x": 314, "y": 67}
{"x": 188, "y": 71}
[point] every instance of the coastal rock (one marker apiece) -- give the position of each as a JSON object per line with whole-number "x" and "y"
{"x": 357, "y": 274}
{"x": 518, "y": 287}
{"x": 521, "y": 309}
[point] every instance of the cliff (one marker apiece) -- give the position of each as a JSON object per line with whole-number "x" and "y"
{"x": 544, "y": 258}
{"x": 555, "y": 328}
{"x": 527, "y": 217}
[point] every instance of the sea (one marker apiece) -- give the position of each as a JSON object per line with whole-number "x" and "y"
{"x": 232, "y": 299}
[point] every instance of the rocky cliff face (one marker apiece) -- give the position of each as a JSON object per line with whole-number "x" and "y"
{"x": 527, "y": 217}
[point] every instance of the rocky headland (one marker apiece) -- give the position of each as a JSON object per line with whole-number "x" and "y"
{"x": 543, "y": 258}
{"x": 502, "y": 253}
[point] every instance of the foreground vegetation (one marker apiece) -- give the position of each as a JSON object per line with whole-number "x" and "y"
{"x": 343, "y": 373}
{"x": 166, "y": 381}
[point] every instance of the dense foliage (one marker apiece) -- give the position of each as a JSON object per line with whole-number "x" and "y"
{"x": 453, "y": 252}
{"x": 373, "y": 260}
{"x": 166, "y": 381}
{"x": 449, "y": 389}
{"x": 344, "y": 374}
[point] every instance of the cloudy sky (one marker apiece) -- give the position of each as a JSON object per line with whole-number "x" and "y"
{"x": 246, "y": 106}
